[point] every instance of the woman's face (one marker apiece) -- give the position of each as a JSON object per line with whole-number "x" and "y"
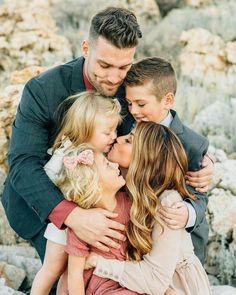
{"x": 122, "y": 150}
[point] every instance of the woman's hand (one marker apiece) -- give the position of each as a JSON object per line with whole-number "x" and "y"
{"x": 91, "y": 260}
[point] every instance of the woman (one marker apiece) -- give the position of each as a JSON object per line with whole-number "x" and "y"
{"x": 159, "y": 256}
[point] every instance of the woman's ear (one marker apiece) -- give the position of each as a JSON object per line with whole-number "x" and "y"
{"x": 85, "y": 48}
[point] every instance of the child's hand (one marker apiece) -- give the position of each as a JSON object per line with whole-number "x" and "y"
{"x": 176, "y": 216}
{"x": 91, "y": 261}
{"x": 201, "y": 179}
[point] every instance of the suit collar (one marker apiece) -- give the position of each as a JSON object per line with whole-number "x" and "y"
{"x": 176, "y": 125}
{"x": 77, "y": 82}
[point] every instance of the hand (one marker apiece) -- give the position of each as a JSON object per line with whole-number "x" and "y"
{"x": 201, "y": 179}
{"x": 170, "y": 291}
{"x": 95, "y": 227}
{"x": 175, "y": 217}
{"x": 91, "y": 260}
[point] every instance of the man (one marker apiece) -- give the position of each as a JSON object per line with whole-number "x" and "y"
{"x": 30, "y": 199}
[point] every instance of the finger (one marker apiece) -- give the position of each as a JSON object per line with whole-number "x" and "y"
{"x": 109, "y": 214}
{"x": 197, "y": 185}
{"x": 170, "y": 222}
{"x": 196, "y": 177}
{"x": 115, "y": 225}
{"x": 109, "y": 242}
{"x": 101, "y": 247}
{"x": 202, "y": 189}
{"x": 170, "y": 212}
{"x": 115, "y": 234}
{"x": 164, "y": 215}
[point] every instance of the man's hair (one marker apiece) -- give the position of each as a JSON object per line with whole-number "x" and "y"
{"x": 156, "y": 70}
{"x": 117, "y": 25}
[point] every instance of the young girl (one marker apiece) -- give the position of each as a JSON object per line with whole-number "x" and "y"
{"x": 91, "y": 118}
{"x": 158, "y": 256}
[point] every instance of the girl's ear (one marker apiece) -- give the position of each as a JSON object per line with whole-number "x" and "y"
{"x": 85, "y": 48}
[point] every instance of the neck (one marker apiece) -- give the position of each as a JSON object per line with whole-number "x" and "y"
{"x": 123, "y": 171}
{"x": 108, "y": 201}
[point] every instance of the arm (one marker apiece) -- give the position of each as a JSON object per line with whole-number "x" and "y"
{"x": 28, "y": 152}
{"x": 75, "y": 275}
{"x": 152, "y": 275}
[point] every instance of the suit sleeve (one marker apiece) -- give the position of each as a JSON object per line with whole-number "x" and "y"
{"x": 202, "y": 199}
{"x": 153, "y": 275}
{"x": 28, "y": 152}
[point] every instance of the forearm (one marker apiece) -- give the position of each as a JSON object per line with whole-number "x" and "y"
{"x": 199, "y": 206}
{"x": 76, "y": 285}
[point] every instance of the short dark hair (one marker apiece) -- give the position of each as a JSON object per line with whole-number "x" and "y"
{"x": 117, "y": 25}
{"x": 156, "y": 70}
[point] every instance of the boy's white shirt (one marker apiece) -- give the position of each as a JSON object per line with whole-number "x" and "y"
{"x": 191, "y": 211}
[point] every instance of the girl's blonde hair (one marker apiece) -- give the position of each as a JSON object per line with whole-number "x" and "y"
{"x": 78, "y": 124}
{"x": 158, "y": 163}
{"x": 81, "y": 184}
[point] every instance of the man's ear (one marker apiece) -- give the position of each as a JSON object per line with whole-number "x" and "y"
{"x": 85, "y": 48}
{"x": 169, "y": 99}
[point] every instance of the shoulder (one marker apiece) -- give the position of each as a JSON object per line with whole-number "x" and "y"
{"x": 169, "y": 197}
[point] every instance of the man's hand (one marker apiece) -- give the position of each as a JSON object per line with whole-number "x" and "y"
{"x": 95, "y": 227}
{"x": 91, "y": 260}
{"x": 175, "y": 217}
{"x": 201, "y": 179}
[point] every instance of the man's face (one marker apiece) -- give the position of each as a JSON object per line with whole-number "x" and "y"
{"x": 106, "y": 65}
{"x": 144, "y": 105}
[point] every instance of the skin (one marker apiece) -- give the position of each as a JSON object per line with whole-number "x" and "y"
{"x": 106, "y": 67}
{"x": 110, "y": 181}
{"x": 105, "y": 133}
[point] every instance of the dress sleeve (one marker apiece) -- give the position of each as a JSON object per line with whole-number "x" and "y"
{"x": 154, "y": 273}
{"x": 75, "y": 246}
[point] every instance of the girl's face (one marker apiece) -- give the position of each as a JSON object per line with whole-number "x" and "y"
{"x": 105, "y": 133}
{"x": 122, "y": 150}
{"x": 110, "y": 177}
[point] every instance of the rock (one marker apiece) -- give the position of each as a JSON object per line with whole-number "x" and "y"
{"x": 222, "y": 205}
{"x": 4, "y": 290}
{"x": 211, "y": 122}
{"x": 223, "y": 290}
{"x": 13, "y": 275}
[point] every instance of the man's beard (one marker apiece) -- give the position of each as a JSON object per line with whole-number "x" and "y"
{"x": 99, "y": 88}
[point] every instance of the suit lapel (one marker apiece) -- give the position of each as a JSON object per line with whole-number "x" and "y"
{"x": 77, "y": 82}
{"x": 176, "y": 125}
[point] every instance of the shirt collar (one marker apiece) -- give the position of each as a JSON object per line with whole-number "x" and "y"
{"x": 167, "y": 121}
{"x": 87, "y": 84}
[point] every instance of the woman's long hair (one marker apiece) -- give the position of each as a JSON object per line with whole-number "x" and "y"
{"x": 158, "y": 163}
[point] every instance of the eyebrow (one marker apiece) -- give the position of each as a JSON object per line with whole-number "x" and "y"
{"x": 104, "y": 62}
{"x": 136, "y": 100}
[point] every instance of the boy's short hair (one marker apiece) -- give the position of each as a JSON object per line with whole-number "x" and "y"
{"x": 117, "y": 25}
{"x": 156, "y": 70}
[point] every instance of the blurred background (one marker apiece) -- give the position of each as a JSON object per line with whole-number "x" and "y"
{"x": 197, "y": 36}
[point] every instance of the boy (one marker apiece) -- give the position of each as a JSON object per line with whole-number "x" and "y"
{"x": 150, "y": 92}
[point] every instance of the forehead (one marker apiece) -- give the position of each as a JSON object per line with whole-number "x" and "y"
{"x": 137, "y": 92}
{"x": 107, "y": 121}
{"x": 106, "y": 52}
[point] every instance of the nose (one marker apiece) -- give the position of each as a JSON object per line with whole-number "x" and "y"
{"x": 133, "y": 109}
{"x": 121, "y": 139}
{"x": 115, "y": 76}
{"x": 113, "y": 135}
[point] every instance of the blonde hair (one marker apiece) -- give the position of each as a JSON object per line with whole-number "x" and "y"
{"x": 79, "y": 122}
{"x": 158, "y": 163}
{"x": 81, "y": 184}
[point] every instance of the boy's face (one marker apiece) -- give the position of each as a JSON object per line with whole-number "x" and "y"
{"x": 144, "y": 105}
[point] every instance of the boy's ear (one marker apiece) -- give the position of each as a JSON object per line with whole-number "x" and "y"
{"x": 85, "y": 48}
{"x": 169, "y": 99}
